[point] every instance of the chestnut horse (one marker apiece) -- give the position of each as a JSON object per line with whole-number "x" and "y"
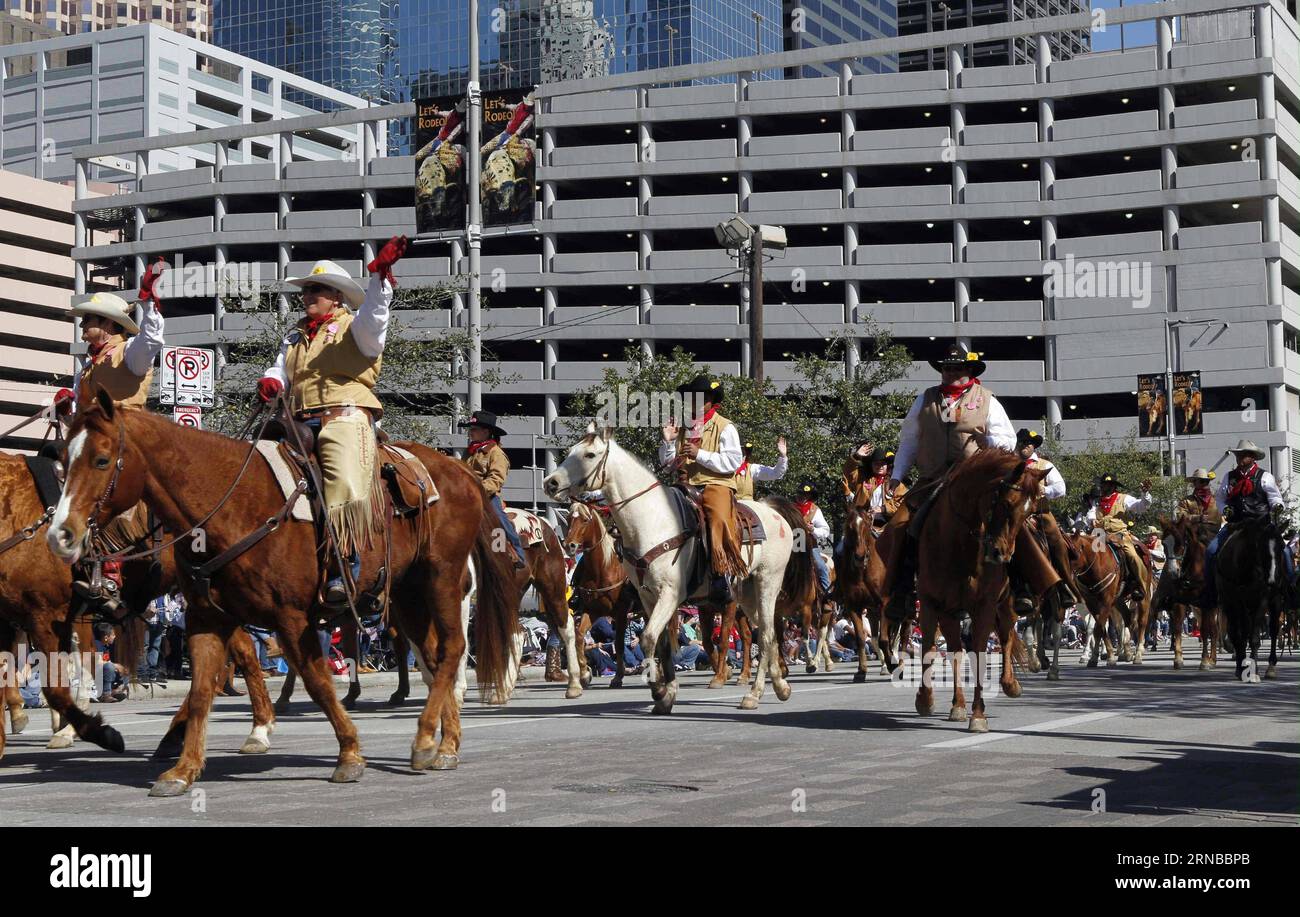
{"x": 267, "y": 572}
{"x": 600, "y": 586}
{"x": 1100, "y": 575}
{"x": 964, "y": 549}
{"x": 546, "y": 572}
{"x": 860, "y": 589}
{"x": 1179, "y": 589}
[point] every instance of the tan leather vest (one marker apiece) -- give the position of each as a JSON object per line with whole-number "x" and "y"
{"x": 1112, "y": 523}
{"x": 948, "y": 437}
{"x": 745, "y": 485}
{"x": 115, "y": 377}
{"x": 330, "y": 370}
{"x": 710, "y": 439}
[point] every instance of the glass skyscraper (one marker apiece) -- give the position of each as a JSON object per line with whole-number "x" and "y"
{"x": 398, "y": 50}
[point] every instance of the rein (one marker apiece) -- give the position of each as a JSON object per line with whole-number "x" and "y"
{"x": 28, "y": 533}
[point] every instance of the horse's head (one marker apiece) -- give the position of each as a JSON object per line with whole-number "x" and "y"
{"x": 1012, "y": 500}
{"x": 101, "y": 480}
{"x": 583, "y": 469}
{"x": 857, "y": 530}
{"x": 585, "y": 530}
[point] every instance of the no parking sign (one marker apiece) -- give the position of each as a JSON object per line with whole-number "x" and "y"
{"x": 188, "y": 377}
{"x": 188, "y": 416}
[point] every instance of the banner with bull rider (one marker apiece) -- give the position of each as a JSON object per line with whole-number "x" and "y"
{"x": 508, "y": 179}
{"x": 1153, "y": 405}
{"x": 441, "y": 164}
{"x": 1187, "y": 404}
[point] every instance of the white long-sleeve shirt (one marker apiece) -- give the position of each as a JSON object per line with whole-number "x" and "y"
{"x": 369, "y": 328}
{"x": 820, "y": 529}
{"x": 1132, "y": 504}
{"x": 1053, "y": 484}
{"x": 1000, "y": 433}
{"x": 726, "y": 460}
{"x": 1266, "y": 484}
{"x": 142, "y": 348}
{"x": 770, "y": 472}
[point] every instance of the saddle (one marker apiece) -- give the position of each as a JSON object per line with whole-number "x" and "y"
{"x": 687, "y": 503}
{"x": 45, "y": 475}
{"x": 531, "y": 529}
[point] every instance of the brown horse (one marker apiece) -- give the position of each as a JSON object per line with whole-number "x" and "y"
{"x": 860, "y": 590}
{"x": 965, "y": 548}
{"x": 546, "y": 572}
{"x": 1179, "y": 589}
{"x": 600, "y": 585}
{"x": 1099, "y": 572}
{"x": 196, "y": 481}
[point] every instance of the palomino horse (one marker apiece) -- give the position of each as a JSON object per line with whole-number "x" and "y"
{"x": 1099, "y": 572}
{"x": 860, "y": 589}
{"x": 1251, "y": 580}
{"x": 964, "y": 551}
{"x": 266, "y": 571}
{"x": 661, "y": 555}
{"x": 1179, "y": 589}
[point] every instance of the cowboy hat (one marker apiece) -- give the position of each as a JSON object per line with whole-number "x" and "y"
{"x": 882, "y": 455}
{"x": 1151, "y": 530}
{"x": 808, "y": 489}
{"x": 329, "y": 274}
{"x": 710, "y": 388}
{"x": 1111, "y": 479}
{"x": 960, "y": 356}
{"x": 1201, "y": 474}
{"x": 1246, "y": 445}
{"x": 485, "y": 419}
{"x": 109, "y": 306}
{"x": 1028, "y": 437}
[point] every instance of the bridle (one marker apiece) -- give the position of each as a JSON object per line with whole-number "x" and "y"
{"x": 588, "y": 483}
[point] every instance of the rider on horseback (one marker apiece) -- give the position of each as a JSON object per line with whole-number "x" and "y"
{"x": 1248, "y": 495}
{"x": 709, "y": 454}
{"x": 1109, "y": 515}
{"x": 330, "y": 363}
{"x": 749, "y": 472}
{"x": 866, "y": 477}
{"x": 491, "y": 465}
{"x": 122, "y": 367}
{"x": 1199, "y": 507}
{"x": 1027, "y": 443}
{"x": 812, "y": 514}
{"x": 947, "y": 423}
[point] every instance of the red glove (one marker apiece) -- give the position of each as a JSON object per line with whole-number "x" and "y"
{"x": 150, "y": 280}
{"x": 63, "y": 400}
{"x": 389, "y": 255}
{"x": 268, "y": 388}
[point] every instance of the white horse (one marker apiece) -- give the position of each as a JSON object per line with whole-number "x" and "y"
{"x": 647, "y": 517}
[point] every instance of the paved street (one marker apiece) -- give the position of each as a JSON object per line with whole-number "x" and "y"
{"x": 1153, "y": 745}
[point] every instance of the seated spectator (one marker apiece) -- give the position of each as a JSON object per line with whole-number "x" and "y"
{"x": 690, "y": 649}
{"x": 633, "y": 657}
{"x": 841, "y": 638}
{"x": 110, "y": 676}
{"x": 600, "y": 646}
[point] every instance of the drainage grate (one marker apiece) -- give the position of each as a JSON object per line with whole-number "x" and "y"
{"x": 640, "y": 787}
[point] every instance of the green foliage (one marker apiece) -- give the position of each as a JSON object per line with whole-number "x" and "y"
{"x": 1128, "y": 461}
{"x": 822, "y": 414}
{"x": 420, "y": 364}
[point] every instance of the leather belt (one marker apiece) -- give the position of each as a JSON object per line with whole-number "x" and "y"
{"x": 326, "y": 414}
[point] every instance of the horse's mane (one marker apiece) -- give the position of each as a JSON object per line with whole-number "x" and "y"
{"x": 983, "y": 468}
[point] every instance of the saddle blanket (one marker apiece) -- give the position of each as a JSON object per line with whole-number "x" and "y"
{"x": 287, "y": 476}
{"x": 748, "y": 524}
{"x": 531, "y": 529}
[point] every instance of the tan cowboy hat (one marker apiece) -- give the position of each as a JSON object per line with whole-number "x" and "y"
{"x": 1246, "y": 445}
{"x": 109, "y": 306}
{"x": 1201, "y": 474}
{"x": 1151, "y": 530}
{"x": 329, "y": 274}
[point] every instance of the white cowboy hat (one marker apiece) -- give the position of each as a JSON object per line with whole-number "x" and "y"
{"x": 1201, "y": 474}
{"x": 329, "y": 274}
{"x": 109, "y": 306}
{"x": 1246, "y": 445}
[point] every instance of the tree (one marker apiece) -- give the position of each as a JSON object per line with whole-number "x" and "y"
{"x": 1082, "y": 467}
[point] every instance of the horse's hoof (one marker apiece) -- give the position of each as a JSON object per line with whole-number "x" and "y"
{"x": 661, "y": 708}
{"x": 396, "y": 699}
{"x": 977, "y": 724}
{"x": 716, "y": 683}
{"x": 252, "y": 746}
{"x": 957, "y": 715}
{"x": 781, "y": 689}
{"x": 618, "y": 683}
{"x": 1271, "y": 672}
{"x": 108, "y": 738}
{"x": 1136, "y": 660}
{"x": 446, "y": 763}
{"x": 349, "y": 703}
{"x": 348, "y": 772}
{"x": 859, "y": 677}
{"x": 164, "y": 789}
{"x": 1012, "y": 690}
{"x": 1178, "y": 664}
{"x": 1053, "y": 674}
{"x": 924, "y": 708}
{"x": 573, "y": 691}
{"x": 830, "y": 667}
{"x": 60, "y": 740}
{"x": 810, "y": 669}
{"x": 749, "y": 702}
{"x": 282, "y": 707}
{"x": 17, "y": 721}
{"x": 1112, "y": 663}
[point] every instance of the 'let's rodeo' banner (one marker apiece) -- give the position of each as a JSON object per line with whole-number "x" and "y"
{"x": 1155, "y": 405}
{"x": 509, "y": 161}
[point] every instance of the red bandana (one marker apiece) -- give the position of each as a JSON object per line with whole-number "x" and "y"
{"x": 744, "y": 466}
{"x": 481, "y": 445}
{"x": 1205, "y": 495}
{"x": 1244, "y": 486}
{"x": 103, "y": 348}
{"x": 314, "y": 324}
{"x": 1108, "y": 503}
{"x": 880, "y": 479}
{"x": 957, "y": 389}
{"x": 805, "y": 506}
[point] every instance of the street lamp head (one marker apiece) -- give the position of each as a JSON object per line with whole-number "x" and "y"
{"x": 734, "y": 233}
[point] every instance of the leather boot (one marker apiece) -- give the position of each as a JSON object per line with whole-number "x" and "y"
{"x": 553, "y": 671}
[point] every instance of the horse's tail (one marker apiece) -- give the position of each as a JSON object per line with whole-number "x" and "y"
{"x": 1019, "y": 655}
{"x": 800, "y": 577}
{"x": 496, "y": 618}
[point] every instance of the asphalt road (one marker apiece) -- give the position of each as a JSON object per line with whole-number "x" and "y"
{"x": 1129, "y": 746}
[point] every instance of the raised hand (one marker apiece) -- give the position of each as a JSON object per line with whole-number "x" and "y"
{"x": 268, "y": 388}
{"x": 389, "y": 255}
{"x": 149, "y": 283}
{"x": 781, "y": 446}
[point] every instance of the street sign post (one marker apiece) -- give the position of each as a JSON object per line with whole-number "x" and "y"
{"x": 188, "y": 377}
{"x": 188, "y": 416}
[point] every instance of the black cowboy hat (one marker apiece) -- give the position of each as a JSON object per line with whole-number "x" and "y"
{"x": 748, "y": 445}
{"x": 1109, "y": 479}
{"x": 485, "y": 419}
{"x": 808, "y": 489}
{"x": 881, "y": 455}
{"x": 1028, "y": 437}
{"x": 710, "y": 388}
{"x": 960, "y": 356}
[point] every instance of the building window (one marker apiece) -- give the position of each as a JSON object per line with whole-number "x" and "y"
{"x": 1290, "y": 338}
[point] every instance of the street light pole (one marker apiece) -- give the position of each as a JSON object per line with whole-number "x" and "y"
{"x": 1170, "y": 325}
{"x": 756, "y": 305}
{"x": 473, "y": 227}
